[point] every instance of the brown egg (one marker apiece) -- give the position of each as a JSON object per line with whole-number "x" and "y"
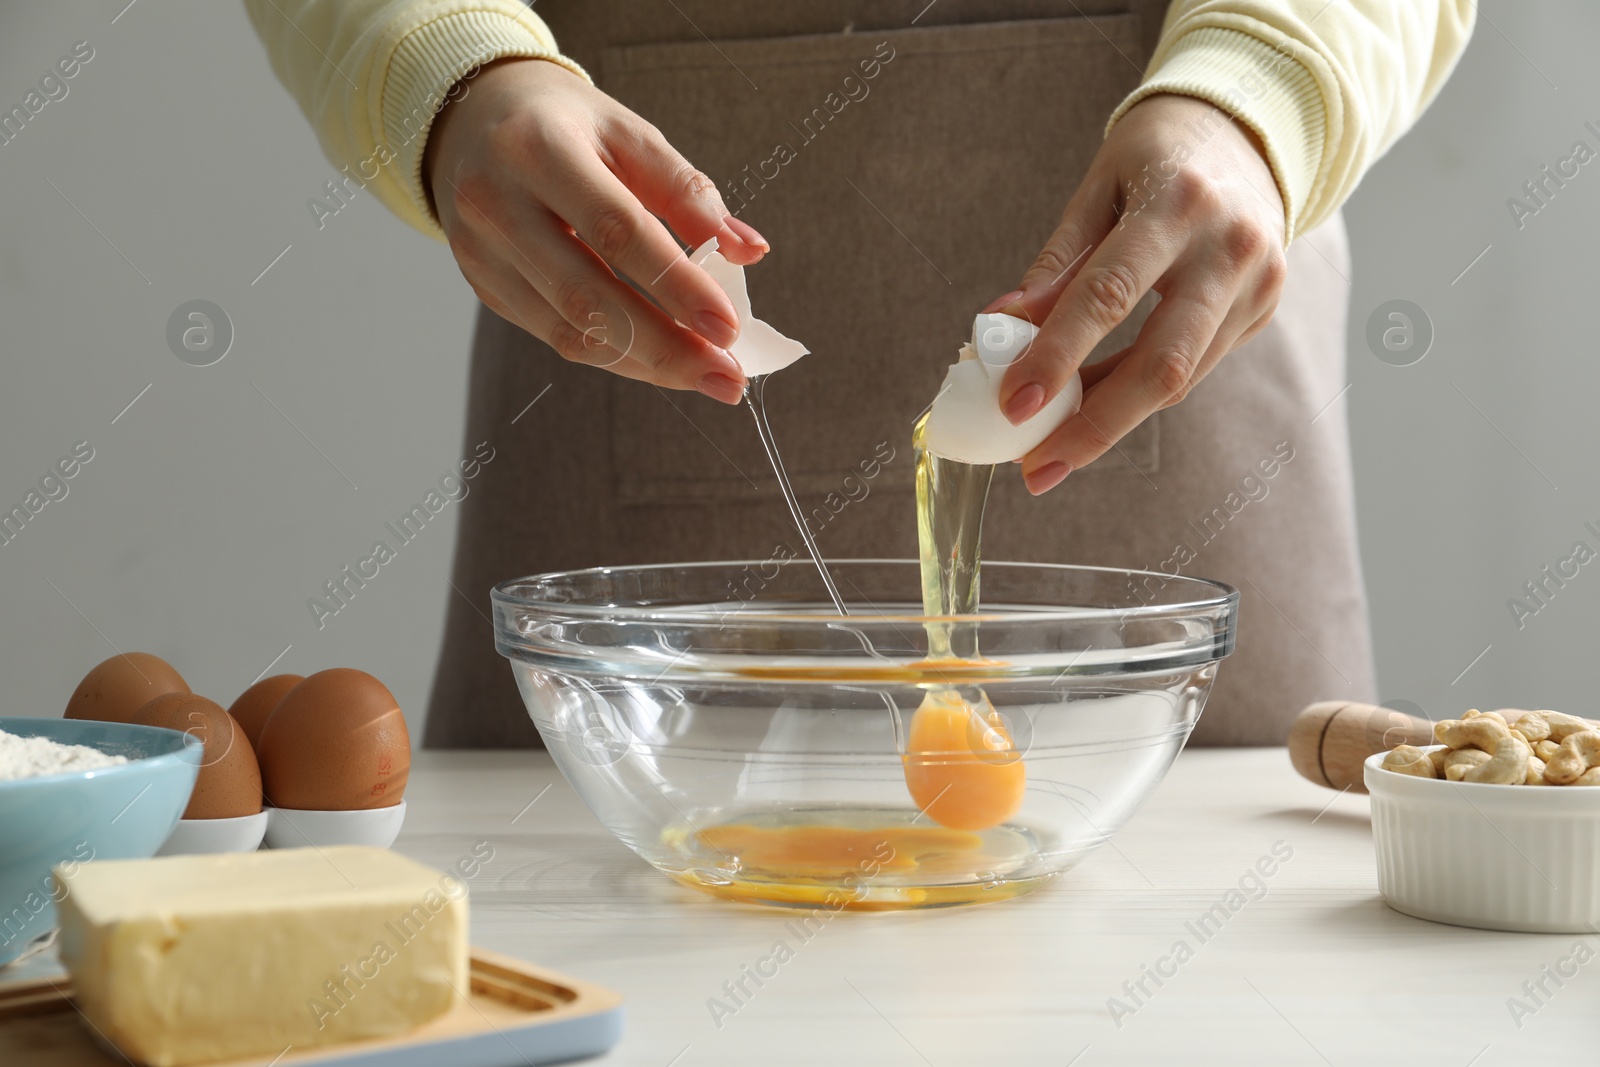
{"x": 121, "y": 685}
{"x": 230, "y": 782}
{"x": 250, "y": 711}
{"x": 336, "y": 742}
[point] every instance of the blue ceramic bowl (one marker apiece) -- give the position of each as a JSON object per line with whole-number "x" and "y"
{"x": 121, "y": 812}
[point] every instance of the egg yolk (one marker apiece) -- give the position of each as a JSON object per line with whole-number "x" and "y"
{"x": 961, "y": 766}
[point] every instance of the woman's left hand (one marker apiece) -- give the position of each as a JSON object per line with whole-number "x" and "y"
{"x": 1179, "y": 199}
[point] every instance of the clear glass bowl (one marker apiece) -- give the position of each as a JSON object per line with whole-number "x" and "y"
{"x": 729, "y": 726}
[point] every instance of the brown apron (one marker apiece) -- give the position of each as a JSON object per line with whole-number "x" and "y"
{"x": 897, "y": 205}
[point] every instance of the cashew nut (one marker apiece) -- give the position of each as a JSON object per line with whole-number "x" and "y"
{"x": 1563, "y": 726}
{"x": 1457, "y": 764}
{"x": 1535, "y": 771}
{"x": 1579, "y": 752}
{"x": 1462, "y": 761}
{"x": 1509, "y": 765}
{"x": 1508, "y": 747}
{"x": 1534, "y": 726}
{"x": 1408, "y": 759}
{"x": 1480, "y": 731}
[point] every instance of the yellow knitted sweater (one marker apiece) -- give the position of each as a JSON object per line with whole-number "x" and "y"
{"x": 1328, "y": 85}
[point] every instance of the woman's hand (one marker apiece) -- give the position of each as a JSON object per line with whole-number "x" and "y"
{"x": 550, "y": 193}
{"x": 1180, "y": 199}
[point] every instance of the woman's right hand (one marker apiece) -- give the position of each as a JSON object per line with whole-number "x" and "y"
{"x": 551, "y": 192}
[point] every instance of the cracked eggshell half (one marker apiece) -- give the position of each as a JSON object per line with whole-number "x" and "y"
{"x": 759, "y": 349}
{"x": 966, "y": 423}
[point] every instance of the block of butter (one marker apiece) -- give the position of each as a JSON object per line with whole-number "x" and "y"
{"x": 190, "y": 959}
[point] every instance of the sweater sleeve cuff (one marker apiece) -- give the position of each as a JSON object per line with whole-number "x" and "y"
{"x": 424, "y": 69}
{"x": 1263, "y": 87}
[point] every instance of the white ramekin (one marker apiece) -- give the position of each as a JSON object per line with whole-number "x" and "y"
{"x": 1499, "y": 857}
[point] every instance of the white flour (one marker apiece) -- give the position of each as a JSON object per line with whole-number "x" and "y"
{"x": 29, "y": 757}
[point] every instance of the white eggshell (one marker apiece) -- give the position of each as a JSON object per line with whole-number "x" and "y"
{"x": 760, "y": 349}
{"x": 1000, "y": 339}
{"x": 966, "y": 423}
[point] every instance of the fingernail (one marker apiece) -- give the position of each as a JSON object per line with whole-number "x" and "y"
{"x": 714, "y": 328}
{"x": 746, "y": 233}
{"x": 721, "y": 387}
{"x": 1024, "y": 403}
{"x": 1046, "y": 477}
{"x": 1001, "y": 301}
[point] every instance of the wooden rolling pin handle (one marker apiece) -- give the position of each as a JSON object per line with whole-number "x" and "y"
{"x": 1330, "y": 741}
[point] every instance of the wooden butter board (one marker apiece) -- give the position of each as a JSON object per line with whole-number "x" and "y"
{"x": 517, "y": 1014}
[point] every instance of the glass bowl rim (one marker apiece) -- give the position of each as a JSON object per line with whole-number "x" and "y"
{"x": 1224, "y": 596}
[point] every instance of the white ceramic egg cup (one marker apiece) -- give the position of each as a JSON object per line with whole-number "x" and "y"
{"x": 199, "y": 837}
{"x": 304, "y": 828}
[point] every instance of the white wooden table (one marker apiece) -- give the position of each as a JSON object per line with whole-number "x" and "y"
{"x": 1315, "y": 971}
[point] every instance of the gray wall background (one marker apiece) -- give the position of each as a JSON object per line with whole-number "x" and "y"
{"x": 177, "y": 169}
